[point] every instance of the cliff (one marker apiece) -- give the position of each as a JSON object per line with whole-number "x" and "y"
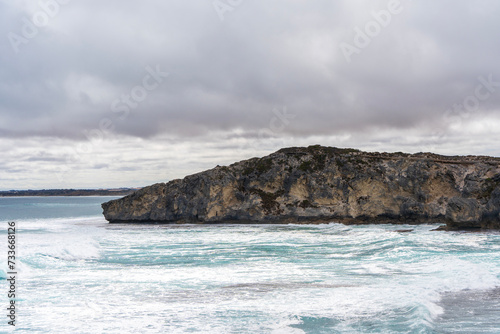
{"x": 325, "y": 184}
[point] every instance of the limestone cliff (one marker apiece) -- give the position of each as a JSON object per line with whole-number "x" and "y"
{"x": 325, "y": 184}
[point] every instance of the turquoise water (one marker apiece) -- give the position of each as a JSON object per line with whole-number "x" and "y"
{"x": 29, "y": 208}
{"x": 79, "y": 274}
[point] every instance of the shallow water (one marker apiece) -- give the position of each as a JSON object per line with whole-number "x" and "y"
{"x": 81, "y": 275}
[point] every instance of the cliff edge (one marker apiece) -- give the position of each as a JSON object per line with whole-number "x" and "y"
{"x": 325, "y": 184}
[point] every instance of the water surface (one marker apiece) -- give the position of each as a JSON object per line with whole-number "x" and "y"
{"x": 79, "y": 274}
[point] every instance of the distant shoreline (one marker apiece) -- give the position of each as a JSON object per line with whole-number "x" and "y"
{"x": 68, "y": 192}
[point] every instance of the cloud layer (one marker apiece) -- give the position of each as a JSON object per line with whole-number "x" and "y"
{"x": 424, "y": 75}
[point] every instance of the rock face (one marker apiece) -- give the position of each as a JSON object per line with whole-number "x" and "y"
{"x": 325, "y": 184}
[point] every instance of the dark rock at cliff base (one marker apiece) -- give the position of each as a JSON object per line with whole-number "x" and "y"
{"x": 325, "y": 184}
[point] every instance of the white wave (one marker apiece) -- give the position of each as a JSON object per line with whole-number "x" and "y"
{"x": 45, "y": 243}
{"x": 378, "y": 275}
{"x": 332, "y": 225}
{"x": 58, "y": 224}
{"x": 72, "y": 249}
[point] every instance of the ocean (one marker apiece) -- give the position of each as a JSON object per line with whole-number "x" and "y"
{"x": 78, "y": 274}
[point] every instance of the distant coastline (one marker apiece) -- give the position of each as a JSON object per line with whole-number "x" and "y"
{"x": 69, "y": 192}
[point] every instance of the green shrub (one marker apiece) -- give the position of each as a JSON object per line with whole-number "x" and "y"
{"x": 259, "y": 167}
{"x": 306, "y": 166}
{"x": 269, "y": 203}
{"x": 306, "y": 204}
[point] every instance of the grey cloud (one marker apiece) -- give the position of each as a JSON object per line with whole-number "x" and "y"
{"x": 45, "y": 159}
{"x": 231, "y": 74}
{"x": 226, "y": 78}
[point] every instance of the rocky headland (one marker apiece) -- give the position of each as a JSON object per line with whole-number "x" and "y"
{"x": 326, "y": 184}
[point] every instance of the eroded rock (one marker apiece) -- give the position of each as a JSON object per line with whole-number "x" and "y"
{"x": 324, "y": 184}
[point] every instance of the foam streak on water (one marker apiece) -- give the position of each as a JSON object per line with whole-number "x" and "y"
{"x": 82, "y": 275}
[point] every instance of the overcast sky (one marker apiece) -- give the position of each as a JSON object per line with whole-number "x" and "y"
{"x": 128, "y": 93}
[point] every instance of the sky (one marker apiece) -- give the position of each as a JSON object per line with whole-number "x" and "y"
{"x": 103, "y": 94}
